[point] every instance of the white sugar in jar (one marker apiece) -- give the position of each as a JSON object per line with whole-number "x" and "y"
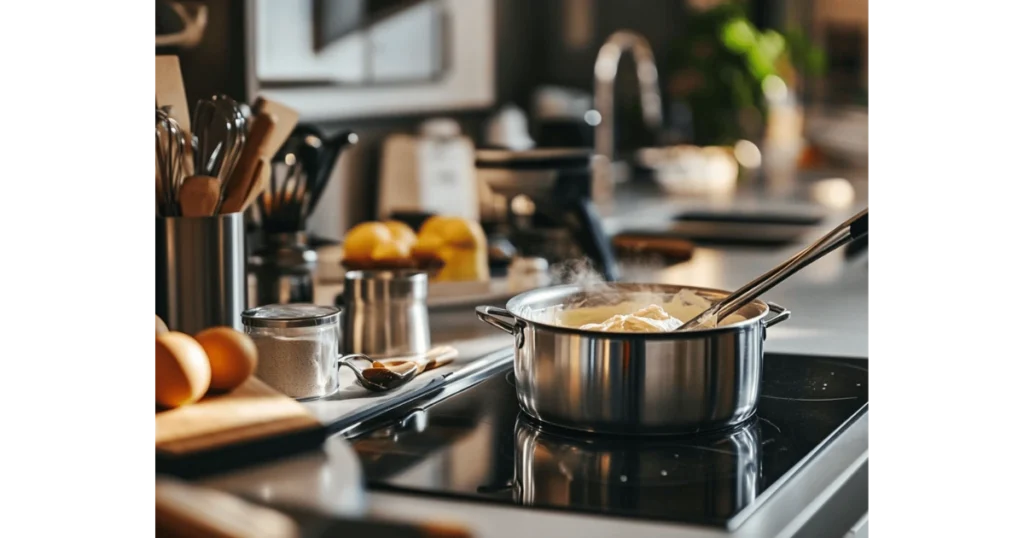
{"x": 298, "y": 348}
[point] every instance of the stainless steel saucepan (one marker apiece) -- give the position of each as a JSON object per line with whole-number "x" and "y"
{"x": 642, "y": 383}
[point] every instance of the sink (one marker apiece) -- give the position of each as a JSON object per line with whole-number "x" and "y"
{"x": 736, "y": 227}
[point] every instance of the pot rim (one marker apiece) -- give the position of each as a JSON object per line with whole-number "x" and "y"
{"x": 513, "y": 303}
{"x": 611, "y": 440}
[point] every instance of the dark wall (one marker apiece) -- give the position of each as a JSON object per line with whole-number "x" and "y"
{"x": 531, "y": 49}
{"x": 573, "y": 66}
{"x": 530, "y": 46}
{"x": 217, "y": 64}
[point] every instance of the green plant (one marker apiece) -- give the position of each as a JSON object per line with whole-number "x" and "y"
{"x": 719, "y": 65}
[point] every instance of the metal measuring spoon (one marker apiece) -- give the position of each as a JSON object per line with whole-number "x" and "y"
{"x": 389, "y": 374}
{"x": 378, "y": 378}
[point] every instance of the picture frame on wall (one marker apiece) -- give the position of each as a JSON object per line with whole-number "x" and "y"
{"x": 348, "y": 59}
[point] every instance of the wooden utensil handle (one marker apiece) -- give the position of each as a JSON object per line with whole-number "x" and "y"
{"x": 676, "y": 249}
{"x": 239, "y": 183}
{"x": 435, "y": 358}
{"x": 199, "y": 195}
{"x": 259, "y": 182}
{"x": 286, "y": 120}
{"x": 443, "y": 356}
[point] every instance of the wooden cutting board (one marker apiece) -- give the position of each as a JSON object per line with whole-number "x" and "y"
{"x": 250, "y": 424}
{"x": 674, "y": 250}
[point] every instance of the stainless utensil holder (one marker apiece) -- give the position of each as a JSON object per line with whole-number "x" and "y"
{"x": 200, "y": 272}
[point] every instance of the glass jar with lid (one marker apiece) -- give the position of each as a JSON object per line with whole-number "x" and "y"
{"x": 298, "y": 347}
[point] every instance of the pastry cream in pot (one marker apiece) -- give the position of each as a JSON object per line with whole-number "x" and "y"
{"x": 636, "y": 316}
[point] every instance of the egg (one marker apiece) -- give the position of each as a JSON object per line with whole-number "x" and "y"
{"x": 182, "y": 370}
{"x": 232, "y": 355}
{"x": 161, "y": 327}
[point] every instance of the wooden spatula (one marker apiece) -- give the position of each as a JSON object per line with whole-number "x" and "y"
{"x": 198, "y": 196}
{"x": 287, "y": 119}
{"x": 239, "y": 184}
{"x": 260, "y": 181}
{"x": 170, "y": 90}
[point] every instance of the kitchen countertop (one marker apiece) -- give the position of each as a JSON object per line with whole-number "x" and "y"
{"x": 829, "y": 301}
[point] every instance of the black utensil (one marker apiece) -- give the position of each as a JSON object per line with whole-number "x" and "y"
{"x": 332, "y": 150}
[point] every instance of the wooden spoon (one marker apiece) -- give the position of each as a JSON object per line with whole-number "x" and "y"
{"x": 259, "y": 182}
{"x": 199, "y": 195}
{"x": 240, "y": 183}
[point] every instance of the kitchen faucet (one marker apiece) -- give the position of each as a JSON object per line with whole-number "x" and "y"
{"x": 606, "y": 69}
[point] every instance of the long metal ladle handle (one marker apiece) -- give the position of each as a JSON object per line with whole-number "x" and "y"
{"x": 854, "y": 228}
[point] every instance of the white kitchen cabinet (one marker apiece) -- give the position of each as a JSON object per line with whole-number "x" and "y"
{"x": 432, "y": 55}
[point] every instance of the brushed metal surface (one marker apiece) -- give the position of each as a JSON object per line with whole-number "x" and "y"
{"x": 200, "y": 272}
{"x": 650, "y": 383}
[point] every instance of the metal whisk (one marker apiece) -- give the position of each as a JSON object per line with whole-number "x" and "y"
{"x": 170, "y": 163}
{"x": 300, "y": 174}
{"x": 219, "y": 129}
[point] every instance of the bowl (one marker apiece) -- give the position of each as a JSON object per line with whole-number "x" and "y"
{"x": 688, "y": 170}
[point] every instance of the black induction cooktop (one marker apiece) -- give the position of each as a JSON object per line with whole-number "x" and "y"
{"x": 476, "y": 445}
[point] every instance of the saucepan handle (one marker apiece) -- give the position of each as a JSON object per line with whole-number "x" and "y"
{"x": 492, "y": 315}
{"x": 781, "y": 314}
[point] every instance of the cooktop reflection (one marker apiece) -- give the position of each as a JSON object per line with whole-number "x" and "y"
{"x": 477, "y": 445}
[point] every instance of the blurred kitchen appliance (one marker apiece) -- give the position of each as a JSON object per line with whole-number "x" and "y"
{"x": 431, "y": 173}
{"x": 563, "y": 117}
{"x": 548, "y": 209}
{"x": 508, "y": 129}
{"x": 282, "y": 270}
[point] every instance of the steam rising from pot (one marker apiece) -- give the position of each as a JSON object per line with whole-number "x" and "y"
{"x": 598, "y": 300}
{"x": 597, "y": 291}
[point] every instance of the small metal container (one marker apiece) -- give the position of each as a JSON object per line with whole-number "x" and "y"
{"x": 283, "y": 270}
{"x": 385, "y": 313}
{"x": 298, "y": 347}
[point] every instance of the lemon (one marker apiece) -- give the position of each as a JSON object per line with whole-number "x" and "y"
{"x": 363, "y": 238}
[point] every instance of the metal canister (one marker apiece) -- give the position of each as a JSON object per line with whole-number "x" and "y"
{"x": 283, "y": 270}
{"x": 385, "y": 313}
